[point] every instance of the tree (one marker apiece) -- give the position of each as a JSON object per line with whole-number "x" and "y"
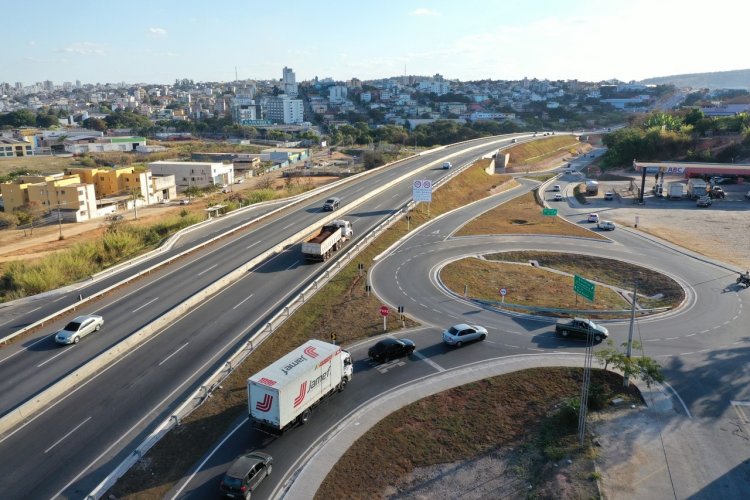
{"x": 642, "y": 367}
{"x": 693, "y": 116}
{"x": 29, "y": 213}
{"x": 95, "y": 124}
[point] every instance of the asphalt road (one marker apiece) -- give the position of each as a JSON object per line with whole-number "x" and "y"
{"x": 80, "y": 439}
{"x": 702, "y": 346}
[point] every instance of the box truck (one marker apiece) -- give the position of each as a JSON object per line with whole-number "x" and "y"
{"x": 697, "y": 188}
{"x": 321, "y": 244}
{"x": 286, "y": 392}
{"x": 675, "y": 190}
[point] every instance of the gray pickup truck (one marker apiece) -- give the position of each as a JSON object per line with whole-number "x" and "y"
{"x": 580, "y": 327}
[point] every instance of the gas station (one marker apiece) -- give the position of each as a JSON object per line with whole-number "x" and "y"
{"x": 686, "y": 170}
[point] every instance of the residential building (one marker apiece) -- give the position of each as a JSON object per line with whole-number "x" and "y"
{"x": 288, "y": 82}
{"x": 75, "y": 200}
{"x": 194, "y": 174}
{"x": 15, "y": 148}
{"x": 283, "y": 109}
{"x": 337, "y": 93}
{"x": 94, "y": 144}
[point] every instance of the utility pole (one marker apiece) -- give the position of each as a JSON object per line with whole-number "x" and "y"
{"x": 625, "y": 380}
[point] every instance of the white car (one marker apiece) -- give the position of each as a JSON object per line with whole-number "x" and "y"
{"x": 593, "y": 218}
{"x": 556, "y": 187}
{"x": 606, "y": 225}
{"x": 79, "y": 328}
{"x": 557, "y": 197}
{"x": 462, "y": 333}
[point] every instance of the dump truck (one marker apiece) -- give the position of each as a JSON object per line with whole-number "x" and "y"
{"x": 286, "y": 392}
{"x": 321, "y": 244}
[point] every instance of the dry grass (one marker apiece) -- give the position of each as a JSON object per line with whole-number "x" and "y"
{"x": 523, "y": 215}
{"x": 516, "y": 410}
{"x": 535, "y": 152}
{"x": 38, "y": 164}
{"x": 526, "y": 285}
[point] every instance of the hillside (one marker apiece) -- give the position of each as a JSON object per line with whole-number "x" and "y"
{"x": 736, "y": 79}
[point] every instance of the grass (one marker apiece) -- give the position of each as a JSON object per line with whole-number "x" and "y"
{"x": 523, "y": 215}
{"x": 529, "y": 153}
{"x": 526, "y": 285}
{"x": 609, "y": 271}
{"x": 522, "y": 411}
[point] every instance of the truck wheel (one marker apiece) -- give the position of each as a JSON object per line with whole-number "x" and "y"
{"x": 342, "y": 385}
{"x": 305, "y": 416}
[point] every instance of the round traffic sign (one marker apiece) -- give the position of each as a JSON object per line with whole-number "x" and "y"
{"x": 503, "y": 291}
{"x": 418, "y": 184}
{"x": 384, "y": 310}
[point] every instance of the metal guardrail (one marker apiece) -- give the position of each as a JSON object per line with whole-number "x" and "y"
{"x": 199, "y": 396}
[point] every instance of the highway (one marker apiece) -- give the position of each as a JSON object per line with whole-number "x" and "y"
{"x": 702, "y": 346}
{"x": 82, "y": 437}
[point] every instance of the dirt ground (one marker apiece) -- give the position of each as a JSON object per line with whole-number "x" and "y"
{"x": 17, "y": 244}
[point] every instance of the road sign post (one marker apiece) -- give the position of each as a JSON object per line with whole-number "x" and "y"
{"x": 503, "y": 291}
{"x": 584, "y": 287}
{"x": 384, "y": 313}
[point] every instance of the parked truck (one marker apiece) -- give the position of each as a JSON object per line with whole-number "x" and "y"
{"x": 321, "y": 244}
{"x": 675, "y": 190}
{"x": 286, "y": 392}
{"x": 696, "y": 188}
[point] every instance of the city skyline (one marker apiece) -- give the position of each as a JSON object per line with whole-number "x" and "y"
{"x": 567, "y": 39}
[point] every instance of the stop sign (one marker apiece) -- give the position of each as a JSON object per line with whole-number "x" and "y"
{"x": 384, "y": 310}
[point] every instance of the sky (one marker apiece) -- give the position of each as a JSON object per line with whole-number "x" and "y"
{"x": 158, "y": 42}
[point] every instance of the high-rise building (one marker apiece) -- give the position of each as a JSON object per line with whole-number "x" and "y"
{"x": 283, "y": 109}
{"x": 289, "y": 83}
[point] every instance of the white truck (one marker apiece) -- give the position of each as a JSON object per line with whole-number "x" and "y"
{"x": 286, "y": 392}
{"x": 675, "y": 190}
{"x": 321, "y": 244}
{"x": 697, "y": 188}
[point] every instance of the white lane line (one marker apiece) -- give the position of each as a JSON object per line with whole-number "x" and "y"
{"x": 57, "y": 300}
{"x": 207, "y": 270}
{"x": 27, "y": 312}
{"x": 144, "y": 305}
{"x": 243, "y": 301}
{"x": 671, "y": 338}
{"x": 252, "y": 245}
{"x": 178, "y": 350}
{"x": 539, "y": 350}
{"x": 705, "y": 331}
{"x": 412, "y": 299}
{"x": 52, "y": 358}
{"x": 513, "y": 346}
{"x": 293, "y": 264}
{"x": 66, "y": 435}
{"x": 423, "y": 305}
{"x": 395, "y": 195}
{"x": 429, "y": 361}
{"x": 288, "y": 225}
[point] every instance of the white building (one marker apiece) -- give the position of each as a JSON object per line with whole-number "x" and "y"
{"x": 337, "y": 93}
{"x": 283, "y": 109}
{"x": 194, "y": 173}
{"x": 244, "y": 108}
{"x": 289, "y": 82}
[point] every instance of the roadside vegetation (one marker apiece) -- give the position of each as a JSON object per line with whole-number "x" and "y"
{"x": 683, "y": 135}
{"x": 528, "y": 418}
{"x": 527, "y": 154}
{"x": 342, "y": 301}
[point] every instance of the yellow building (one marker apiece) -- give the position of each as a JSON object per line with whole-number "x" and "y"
{"x": 15, "y": 148}
{"x": 76, "y": 201}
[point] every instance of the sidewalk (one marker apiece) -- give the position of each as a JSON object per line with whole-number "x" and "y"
{"x": 312, "y": 468}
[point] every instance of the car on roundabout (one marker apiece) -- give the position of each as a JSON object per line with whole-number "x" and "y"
{"x": 78, "y": 328}
{"x": 606, "y": 225}
{"x": 557, "y": 197}
{"x": 581, "y": 328}
{"x": 592, "y": 218}
{"x": 460, "y": 334}
{"x": 556, "y": 187}
{"x": 391, "y": 348}
{"x": 245, "y": 475}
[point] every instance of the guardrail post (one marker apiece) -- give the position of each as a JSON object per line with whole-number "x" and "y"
{"x": 302, "y": 297}
{"x": 286, "y": 310}
{"x": 176, "y": 423}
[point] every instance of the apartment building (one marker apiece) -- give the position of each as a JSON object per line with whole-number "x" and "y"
{"x": 76, "y": 201}
{"x": 283, "y": 109}
{"x": 10, "y": 148}
{"x": 194, "y": 174}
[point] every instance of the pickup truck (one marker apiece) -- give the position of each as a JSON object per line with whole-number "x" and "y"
{"x": 580, "y": 327}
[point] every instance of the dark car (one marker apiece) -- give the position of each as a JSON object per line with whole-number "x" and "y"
{"x": 245, "y": 475}
{"x": 391, "y": 348}
{"x": 579, "y": 327}
{"x": 717, "y": 192}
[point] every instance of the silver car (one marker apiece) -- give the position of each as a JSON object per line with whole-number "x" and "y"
{"x": 462, "y": 333}
{"x": 79, "y": 328}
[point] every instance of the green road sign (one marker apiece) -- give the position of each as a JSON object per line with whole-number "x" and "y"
{"x": 549, "y": 211}
{"x": 583, "y": 287}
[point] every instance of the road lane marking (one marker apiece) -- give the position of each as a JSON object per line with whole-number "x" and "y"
{"x": 52, "y": 358}
{"x": 66, "y": 435}
{"x": 293, "y": 264}
{"x": 57, "y": 300}
{"x": 252, "y": 245}
{"x": 207, "y": 270}
{"x": 243, "y": 301}
{"x": 288, "y": 225}
{"x": 429, "y": 361}
{"x": 144, "y": 305}
{"x": 178, "y": 350}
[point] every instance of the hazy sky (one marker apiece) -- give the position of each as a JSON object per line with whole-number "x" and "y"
{"x": 159, "y": 41}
